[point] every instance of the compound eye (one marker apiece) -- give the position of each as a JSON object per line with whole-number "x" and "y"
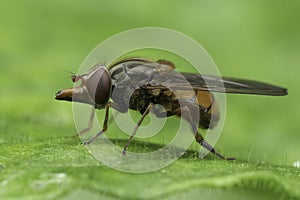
{"x": 99, "y": 86}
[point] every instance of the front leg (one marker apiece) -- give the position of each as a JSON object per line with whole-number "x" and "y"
{"x": 90, "y": 123}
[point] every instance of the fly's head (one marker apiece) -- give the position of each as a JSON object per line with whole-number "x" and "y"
{"x": 95, "y": 88}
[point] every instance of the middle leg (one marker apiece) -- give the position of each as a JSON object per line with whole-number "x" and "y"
{"x": 136, "y": 127}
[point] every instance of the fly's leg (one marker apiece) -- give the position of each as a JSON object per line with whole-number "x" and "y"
{"x": 104, "y": 126}
{"x": 199, "y": 138}
{"x": 207, "y": 146}
{"x": 90, "y": 123}
{"x": 136, "y": 127}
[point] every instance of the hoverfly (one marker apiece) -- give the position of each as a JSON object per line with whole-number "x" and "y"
{"x": 140, "y": 84}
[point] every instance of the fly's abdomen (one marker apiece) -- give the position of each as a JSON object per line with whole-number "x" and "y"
{"x": 209, "y": 110}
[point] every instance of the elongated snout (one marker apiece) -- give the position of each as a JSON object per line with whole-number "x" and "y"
{"x": 65, "y": 94}
{"x": 76, "y": 94}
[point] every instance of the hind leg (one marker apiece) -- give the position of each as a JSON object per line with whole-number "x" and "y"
{"x": 185, "y": 111}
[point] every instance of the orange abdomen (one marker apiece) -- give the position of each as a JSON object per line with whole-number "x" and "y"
{"x": 209, "y": 110}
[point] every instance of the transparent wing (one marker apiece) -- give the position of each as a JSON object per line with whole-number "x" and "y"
{"x": 222, "y": 84}
{"x": 168, "y": 77}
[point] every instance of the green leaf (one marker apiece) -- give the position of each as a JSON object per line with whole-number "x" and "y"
{"x": 63, "y": 168}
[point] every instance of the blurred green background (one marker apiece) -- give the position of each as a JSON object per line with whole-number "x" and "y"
{"x": 41, "y": 40}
